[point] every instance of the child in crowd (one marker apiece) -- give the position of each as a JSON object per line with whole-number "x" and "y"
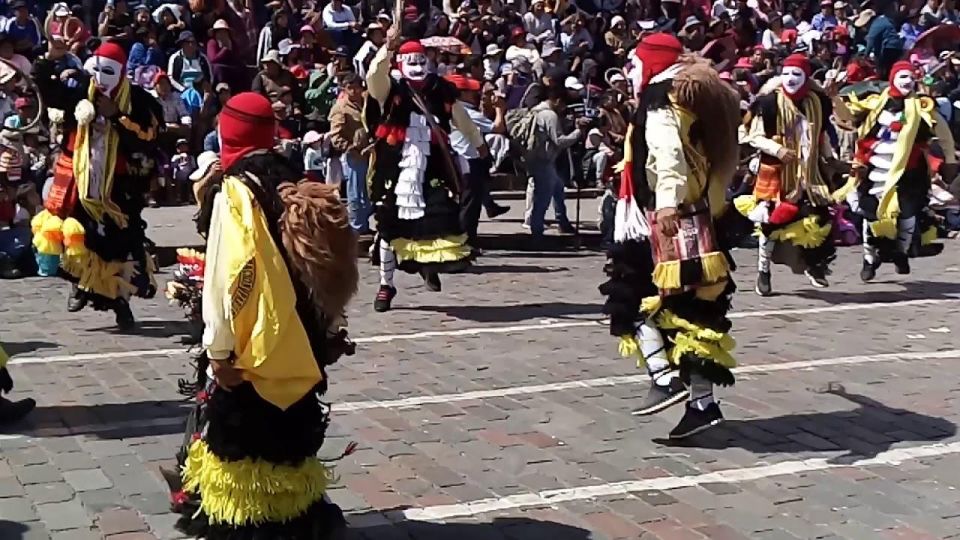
{"x": 314, "y": 156}
{"x": 182, "y": 165}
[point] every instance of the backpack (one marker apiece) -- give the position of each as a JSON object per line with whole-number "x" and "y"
{"x": 521, "y": 124}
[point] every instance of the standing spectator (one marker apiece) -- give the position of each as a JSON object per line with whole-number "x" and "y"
{"x": 115, "y": 21}
{"x": 617, "y": 37}
{"x": 188, "y": 65}
{"x": 277, "y": 30}
{"x": 375, "y": 39}
{"x": 349, "y": 138}
{"x": 542, "y": 156}
{"x": 22, "y": 29}
{"x": 825, "y": 20}
{"x": 182, "y": 166}
{"x": 475, "y": 169}
{"x": 226, "y": 64}
{"x": 883, "y": 41}
{"x": 693, "y": 34}
{"x": 341, "y": 24}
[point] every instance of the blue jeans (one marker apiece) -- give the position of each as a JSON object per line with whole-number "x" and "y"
{"x": 547, "y": 186}
{"x": 358, "y": 203}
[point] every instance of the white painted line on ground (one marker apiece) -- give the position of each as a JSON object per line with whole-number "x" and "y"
{"x": 353, "y": 406}
{"x": 553, "y": 497}
{"x": 465, "y": 332}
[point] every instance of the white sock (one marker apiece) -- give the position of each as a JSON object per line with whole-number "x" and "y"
{"x": 701, "y": 391}
{"x": 655, "y": 355}
{"x": 764, "y": 253}
{"x": 905, "y": 229}
{"x": 388, "y": 264}
{"x": 870, "y": 253}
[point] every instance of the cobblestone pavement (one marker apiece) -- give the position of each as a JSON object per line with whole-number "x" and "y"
{"x": 499, "y": 409}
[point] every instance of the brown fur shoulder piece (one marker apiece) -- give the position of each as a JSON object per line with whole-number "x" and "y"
{"x": 321, "y": 246}
{"x": 699, "y": 89}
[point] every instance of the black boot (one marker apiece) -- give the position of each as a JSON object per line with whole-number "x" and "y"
{"x": 902, "y": 263}
{"x": 8, "y": 268}
{"x": 384, "y": 298}
{"x": 14, "y": 411}
{"x": 764, "y": 287}
{"x": 694, "y": 421}
{"x": 817, "y": 277}
{"x": 869, "y": 271}
{"x": 124, "y": 315}
{"x": 661, "y": 397}
{"x": 431, "y": 280}
{"x": 77, "y": 299}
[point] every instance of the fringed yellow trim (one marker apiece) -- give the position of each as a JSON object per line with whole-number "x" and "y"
{"x": 806, "y": 233}
{"x": 629, "y": 346}
{"x": 98, "y": 276}
{"x": 884, "y": 228}
{"x": 745, "y": 204}
{"x": 697, "y": 340}
{"x": 928, "y": 236}
{"x": 438, "y": 250}
{"x": 251, "y": 492}
{"x": 47, "y": 234}
{"x": 666, "y": 275}
{"x": 650, "y": 305}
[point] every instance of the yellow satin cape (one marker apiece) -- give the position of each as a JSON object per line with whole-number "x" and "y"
{"x": 271, "y": 344}
{"x": 916, "y": 110}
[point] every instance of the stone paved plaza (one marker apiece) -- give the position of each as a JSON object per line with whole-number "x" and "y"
{"x": 499, "y": 409}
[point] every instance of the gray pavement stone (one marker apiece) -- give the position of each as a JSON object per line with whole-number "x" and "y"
{"x": 17, "y": 509}
{"x": 38, "y": 474}
{"x": 10, "y": 487}
{"x": 87, "y": 480}
{"x": 49, "y": 493}
{"x": 64, "y": 515}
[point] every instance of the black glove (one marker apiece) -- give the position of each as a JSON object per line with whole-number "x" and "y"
{"x": 6, "y": 383}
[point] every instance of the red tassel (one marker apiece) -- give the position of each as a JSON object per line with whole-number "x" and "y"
{"x": 179, "y": 498}
{"x": 202, "y": 396}
{"x": 351, "y": 448}
{"x": 626, "y": 182}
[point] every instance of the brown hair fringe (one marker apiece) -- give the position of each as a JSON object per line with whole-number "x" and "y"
{"x": 321, "y": 246}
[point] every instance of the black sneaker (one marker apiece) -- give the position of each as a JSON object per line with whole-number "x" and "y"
{"x": 869, "y": 271}
{"x": 817, "y": 277}
{"x": 431, "y": 280}
{"x": 764, "y": 288}
{"x": 902, "y": 263}
{"x": 497, "y": 211}
{"x": 660, "y": 397}
{"x": 124, "y": 316}
{"x": 694, "y": 421}
{"x": 14, "y": 411}
{"x": 567, "y": 228}
{"x": 384, "y": 298}
{"x": 77, "y": 299}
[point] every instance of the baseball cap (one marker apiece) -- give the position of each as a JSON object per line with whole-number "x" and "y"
{"x": 311, "y": 137}
{"x": 493, "y": 50}
{"x": 464, "y": 83}
{"x": 691, "y": 21}
{"x": 573, "y": 83}
{"x": 272, "y": 55}
{"x": 221, "y": 87}
{"x": 186, "y": 35}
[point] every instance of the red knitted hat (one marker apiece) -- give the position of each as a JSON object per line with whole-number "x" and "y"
{"x": 412, "y": 47}
{"x": 657, "y": 52}
{"x": 111, "y": 50}
{"x": 246, "y": 125}
{"x": 798, "y": 60}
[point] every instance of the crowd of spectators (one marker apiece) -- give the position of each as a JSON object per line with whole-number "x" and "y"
{"x": 563, "y": 57}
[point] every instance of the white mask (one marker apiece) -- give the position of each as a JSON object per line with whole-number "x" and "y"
{"x": 414, "y": 66}
{"x": 634, "y": 72}
{"x": 905, "y": 82}
{"x": 792, "y": 79}
{"x": 106, "y": 73}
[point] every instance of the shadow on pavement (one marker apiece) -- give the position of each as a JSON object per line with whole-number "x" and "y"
{"x": 105, "y": 421}
{"x": 498, "y": 529}
{"x": 150, "y": 329}
{"x": 862, "y": 433}
{"x": 514, "y": 312}
{"x": 912, "y": 290}
{"x": 11, "y": 530}
{"x": 511, "y": 269}
{"x": 14, "y": 348}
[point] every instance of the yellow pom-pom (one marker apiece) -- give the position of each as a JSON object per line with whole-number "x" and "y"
{"x": 49, "y": 238}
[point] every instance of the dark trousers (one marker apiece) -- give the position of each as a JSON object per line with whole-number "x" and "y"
{"x": 476, "y": 187}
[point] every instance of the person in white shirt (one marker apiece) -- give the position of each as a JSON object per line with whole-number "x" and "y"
{"x": 538, "y": 23}
{"x": 341, "y": 23}
{"x": 521, "y": 47}
{"x": 375, "y": 37}
{"x": 475, "y": 169}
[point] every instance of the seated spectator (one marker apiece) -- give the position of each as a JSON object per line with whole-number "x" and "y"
{"x": 115, "y": 21}
{"x": 226, "y": 64}
{"x": 169, "y": 30}
{"x": 182, "y": 166}
{"x": 273, "y": 77}
{"x": 340, "y": 22}
{"x": 314, "y": 158}
{"x": 188, "y": 65}
{"x": 66, "y": 25}
{"x": 538, "y": 23}
{"x": 520, "y": 47}
{"x": 144, "y": 52}
{"x": 175, "y": 114}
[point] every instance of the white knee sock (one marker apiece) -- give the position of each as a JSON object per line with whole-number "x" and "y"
{"x": 764, "y": 253}
{"x": 388, "y": 264}
{"x": 701, "y": 391}
{"x": 905, "y": 229}
{"x": 654, "y": 354}
{"x": 870, "y": 253}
